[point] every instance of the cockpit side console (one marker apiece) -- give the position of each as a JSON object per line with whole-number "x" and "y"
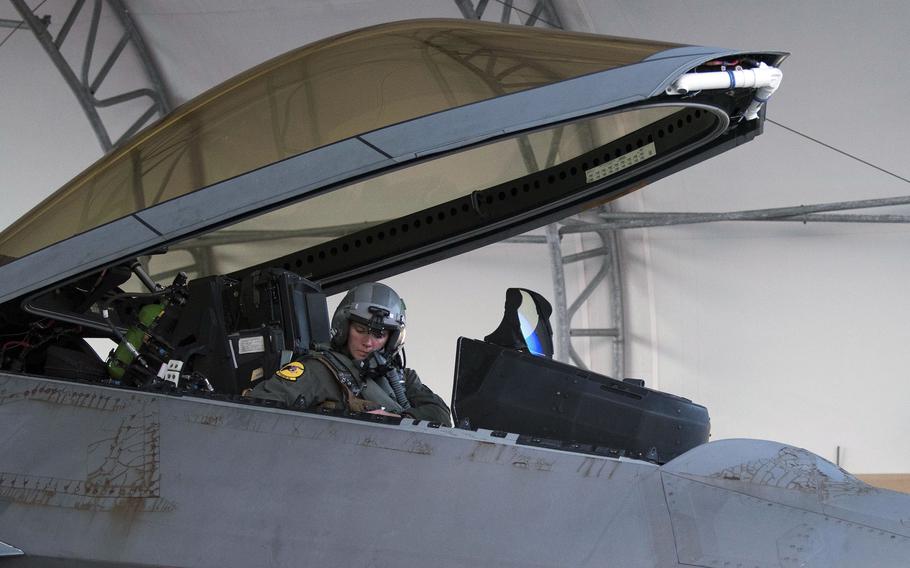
{"x": 505, "y": 389}
{"x": 509, "y": 382}
{"x": 212, "y": 334}
{"x": 237, "y": 332}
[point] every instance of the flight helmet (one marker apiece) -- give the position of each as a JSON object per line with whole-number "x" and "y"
{"x": 376, "y": 306}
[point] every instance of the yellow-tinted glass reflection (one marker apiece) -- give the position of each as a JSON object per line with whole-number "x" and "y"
{"x": 396, "y": 194}
{"x": 316, "y": 95}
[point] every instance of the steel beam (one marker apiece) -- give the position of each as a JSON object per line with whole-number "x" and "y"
{"x": 800, "y": 214}
{"x": 82, "y": 95}
{"x": 536, "y": 12}
{"x": 160, "y": 88}
{"x": 83, "y": 84}
{"x": 563, "y": 344}
{"x": 586, "y": 292}
{"x": 610, "y": 274}
{"x": 594, "y": 332}
{"x": 527, "y": 239}
{"x": 677, "y": 219}
{"x": 617, "y": 299}
{"x": 586, "y": 255}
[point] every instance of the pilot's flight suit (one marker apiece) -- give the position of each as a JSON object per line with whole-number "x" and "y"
{"x": 309, "y": 382}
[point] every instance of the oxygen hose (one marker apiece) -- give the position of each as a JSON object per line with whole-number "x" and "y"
{"x": 396, "y": 381}
{"x": 379, "y": 365}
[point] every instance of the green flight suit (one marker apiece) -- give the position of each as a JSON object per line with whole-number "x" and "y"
{"x": 308, "y": 382}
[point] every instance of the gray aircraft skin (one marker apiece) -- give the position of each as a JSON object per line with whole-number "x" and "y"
{"x": 97, "y": 475}
{"x": 103, "y": 473}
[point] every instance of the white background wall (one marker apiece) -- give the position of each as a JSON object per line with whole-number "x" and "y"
{"x": 785, "y": 331}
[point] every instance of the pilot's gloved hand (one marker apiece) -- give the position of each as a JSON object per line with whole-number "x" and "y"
{"x": 382, "y": 412}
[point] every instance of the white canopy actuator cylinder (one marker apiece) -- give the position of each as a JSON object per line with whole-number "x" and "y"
{"x": 764, "y": 78}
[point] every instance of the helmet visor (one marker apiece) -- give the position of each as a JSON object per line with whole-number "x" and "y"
{"x": 376, "y": 317}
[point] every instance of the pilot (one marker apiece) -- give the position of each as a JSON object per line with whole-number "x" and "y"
{"x": 361, "y": 369}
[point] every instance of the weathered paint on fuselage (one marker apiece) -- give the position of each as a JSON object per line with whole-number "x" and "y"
{"x": 96, "y": 475}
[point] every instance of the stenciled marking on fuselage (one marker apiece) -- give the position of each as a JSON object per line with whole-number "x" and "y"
{"x": 123, "y": 469}
{"x": 64, "y": 397}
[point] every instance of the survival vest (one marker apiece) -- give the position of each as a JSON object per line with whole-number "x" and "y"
{"x": 350, "y": 385}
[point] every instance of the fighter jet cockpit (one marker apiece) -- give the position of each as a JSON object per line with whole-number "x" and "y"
{"x": 204, "y": 248}
{"x": 215, "y": 334}
{"x": 218, "y": 336}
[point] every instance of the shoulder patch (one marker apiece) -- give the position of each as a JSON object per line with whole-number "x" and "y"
{"x": 291, "y": 371}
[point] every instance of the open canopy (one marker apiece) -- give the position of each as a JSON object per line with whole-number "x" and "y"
{"x": 366, "y": 153}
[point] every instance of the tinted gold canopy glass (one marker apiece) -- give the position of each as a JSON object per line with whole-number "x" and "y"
{"x": 352, "y": 220}
{"x": 316, "y": 95}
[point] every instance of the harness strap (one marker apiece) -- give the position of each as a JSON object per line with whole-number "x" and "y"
{"x": 350, "y": 387}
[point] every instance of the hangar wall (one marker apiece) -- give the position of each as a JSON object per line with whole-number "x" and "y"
{"x": 786, "y": 331}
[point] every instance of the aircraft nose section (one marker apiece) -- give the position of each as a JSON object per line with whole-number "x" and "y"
{"x": 758, "y": 503}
